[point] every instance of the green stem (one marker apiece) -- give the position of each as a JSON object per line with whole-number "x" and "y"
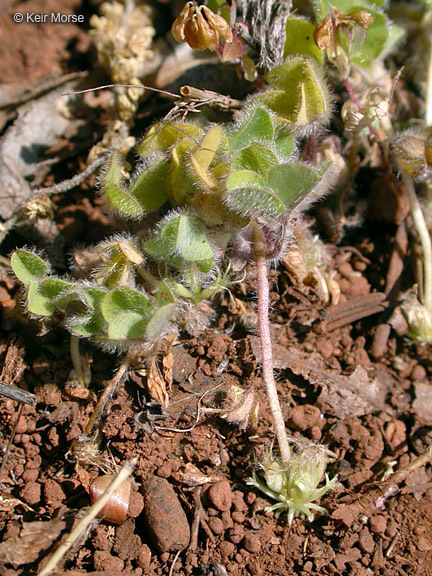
{"x": 260, "y": 248}
{"x": 425, "y": 240}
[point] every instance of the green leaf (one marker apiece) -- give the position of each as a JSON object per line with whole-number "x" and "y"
{"x": 284, "y": 146}
{"x": 203, "y": 155}
{"x": 120, "y": 300}
{"x": 37, "y": 301}
{"x": 53, "y": 287}
{"x": 183, "y": 236}
{"x": 256, "y": 126}
{"x": 255, "y": 202}
{"x": 256, "y": 157}
{"x": 299, "y": 39}
{"x": 249, "y": 193}
{"x": 192, "y": 241}
{"x": 159, "y": 321}
{"x": 27, "y": 266}
{"x": 292, "y": 181}
{"x": 118, "y": 198}
{"x": 126, "y": 327}
{"x": 376, "y": 37}
{"x": 244, "y": 179}
{"x": 161, "y": 137}
{"x": 85, "y": 326}
{"x": 151, "y": 188}
{"x": 182, "y": 291}
{"x": 298, "y": 96}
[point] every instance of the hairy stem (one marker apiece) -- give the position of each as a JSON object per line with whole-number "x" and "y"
{"x": 425, "y": 240}
{"x": 260, "y": 248}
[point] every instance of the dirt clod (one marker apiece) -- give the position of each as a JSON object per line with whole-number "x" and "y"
{"x": 220, "y": 495}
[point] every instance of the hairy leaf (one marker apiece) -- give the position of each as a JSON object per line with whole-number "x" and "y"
{"x": 119, "y": 199}
{"x": 27, "y": 266}
{"x": 126, "y": 328}
{"x": 256, "y": 157}
{"x": 292, "y": 181}
{"x": 151, "y": 188}
{"x": 299, "y": 39}
{"x": 256, "y": 126}
{"x": 37, "y": 301}
{"x": 125, "y": 299}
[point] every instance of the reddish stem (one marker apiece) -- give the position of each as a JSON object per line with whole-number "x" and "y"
{"x": 260, "y": 247}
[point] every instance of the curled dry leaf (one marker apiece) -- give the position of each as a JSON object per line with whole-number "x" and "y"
{"x": 192, "y": 476}
{"x": 116, "y": 509}
{"x": 240, "y": 407}
{"x": 156, "y": 385}
{"x": 34, "y": 538}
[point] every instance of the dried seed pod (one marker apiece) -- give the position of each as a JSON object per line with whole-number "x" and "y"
{"x": 116, "y": 509}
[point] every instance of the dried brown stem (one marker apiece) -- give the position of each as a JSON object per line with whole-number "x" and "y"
{"x": 106, "y": 394}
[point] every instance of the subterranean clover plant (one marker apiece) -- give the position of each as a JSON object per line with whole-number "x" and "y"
{"x": 217, "y": 193}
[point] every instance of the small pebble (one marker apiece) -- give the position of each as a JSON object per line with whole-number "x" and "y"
{"x": 251, "y": 543}
{"x": 216, "y": 525}
{"x": 166, "y": 520}
{"x": 418, "y": 373}
{"x": 227, "y": 548}
{"x": 220, "y": 495}
{"x": 378, "y": 524}
{"x": 236, "y": 533}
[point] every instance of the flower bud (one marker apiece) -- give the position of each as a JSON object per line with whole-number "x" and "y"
{"x": 201, "y": 28}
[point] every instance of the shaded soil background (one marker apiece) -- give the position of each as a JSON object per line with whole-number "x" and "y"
{"x": 353, "y": 384}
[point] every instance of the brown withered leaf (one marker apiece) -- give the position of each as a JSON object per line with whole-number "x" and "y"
{"x": 8, "y": 503}
{"x": 240, "y": 407}
{"x": 34, "y": 538}
{"x": 156, "y": 385}
{"x": 192, "y": 476}
{"x": 168, "y": 359}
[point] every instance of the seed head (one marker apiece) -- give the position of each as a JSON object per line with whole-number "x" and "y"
{"x": 201, "y": 28}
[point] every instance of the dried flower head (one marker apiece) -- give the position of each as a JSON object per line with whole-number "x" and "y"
{"x": 201, "y": 28}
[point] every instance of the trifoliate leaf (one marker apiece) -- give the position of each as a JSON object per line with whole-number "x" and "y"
{"x": 298, "y": 94}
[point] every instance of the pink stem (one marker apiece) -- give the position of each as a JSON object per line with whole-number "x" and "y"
{"x": 260, "y": 247}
